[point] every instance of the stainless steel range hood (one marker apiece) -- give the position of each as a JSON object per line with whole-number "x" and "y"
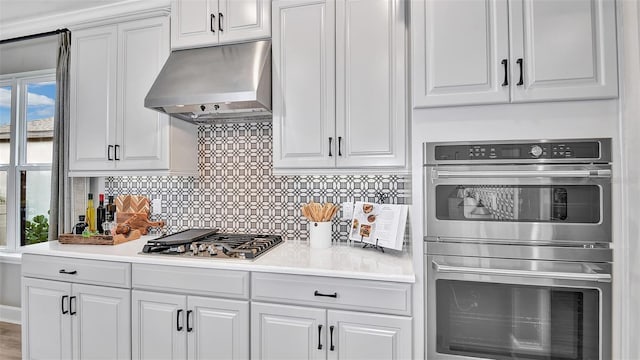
{"x": 220, "y": 82}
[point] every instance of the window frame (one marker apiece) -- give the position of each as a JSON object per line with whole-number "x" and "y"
{"x": 18, "y": 148}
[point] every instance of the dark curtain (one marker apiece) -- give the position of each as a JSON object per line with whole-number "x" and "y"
{"x": 60, "y": 208}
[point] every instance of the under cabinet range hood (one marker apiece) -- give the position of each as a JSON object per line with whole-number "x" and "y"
{"x": 219, "y": 82}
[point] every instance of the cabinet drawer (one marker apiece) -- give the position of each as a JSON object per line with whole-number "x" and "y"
{"x": 190, "y": 280}
{"x": 109, "y": 273}
{"x": 365, "y": 295}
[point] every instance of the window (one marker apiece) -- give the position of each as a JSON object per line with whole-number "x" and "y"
{"x": 27, "y": 104}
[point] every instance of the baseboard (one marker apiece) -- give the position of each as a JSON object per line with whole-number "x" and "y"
{"x": 10, "y": 314}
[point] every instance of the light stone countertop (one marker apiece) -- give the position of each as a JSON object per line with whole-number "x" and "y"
{"x": 290, "y": 257}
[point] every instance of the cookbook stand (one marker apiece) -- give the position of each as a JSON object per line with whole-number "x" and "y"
{"x": 372, "y": 246}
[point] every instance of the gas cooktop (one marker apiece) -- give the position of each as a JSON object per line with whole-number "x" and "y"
{"x": 208, "y": 243}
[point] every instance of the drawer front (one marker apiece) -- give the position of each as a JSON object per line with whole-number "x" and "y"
{"x": 191, "y": 280}
{"x": 352, "y": 294}
{"x": 97, "y": 272}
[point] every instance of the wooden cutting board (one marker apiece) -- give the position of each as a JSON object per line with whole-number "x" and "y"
{"x": 132, "y": 204}
{"x": 138, "y": 221}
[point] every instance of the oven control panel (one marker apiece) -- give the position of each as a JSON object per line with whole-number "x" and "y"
{"x": 579, "y": 150}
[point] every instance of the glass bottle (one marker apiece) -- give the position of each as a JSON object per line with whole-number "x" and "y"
{"x": 111, "y": 210}
{"x": 91, "y": 214}
{"x": 100, "y": 214}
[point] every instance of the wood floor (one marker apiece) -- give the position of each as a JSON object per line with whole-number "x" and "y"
{"x": 10, "y": 348}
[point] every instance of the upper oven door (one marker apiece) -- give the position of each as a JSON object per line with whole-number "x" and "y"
{"x": 519, "y": 203}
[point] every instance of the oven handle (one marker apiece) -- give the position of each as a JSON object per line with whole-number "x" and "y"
{"x": 521, "y": 273}
{"x": 606, "y": 173}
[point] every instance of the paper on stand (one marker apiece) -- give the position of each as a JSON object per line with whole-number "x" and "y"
{"x": 379, "y": 224}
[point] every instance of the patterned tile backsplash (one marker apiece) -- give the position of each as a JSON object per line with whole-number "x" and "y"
{"x": 236, "y": 190}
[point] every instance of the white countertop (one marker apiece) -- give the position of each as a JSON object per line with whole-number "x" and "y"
{"x": 290, "y": 257}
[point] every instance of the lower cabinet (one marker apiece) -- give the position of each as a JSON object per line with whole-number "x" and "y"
{"x": 75, "y": 321}
{"x": 296, "y": 332}
{"x": 170, "y": 326}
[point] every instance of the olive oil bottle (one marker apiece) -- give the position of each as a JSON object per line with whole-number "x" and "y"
{"x": 91, "y": 214}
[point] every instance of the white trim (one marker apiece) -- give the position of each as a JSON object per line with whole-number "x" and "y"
{"x": 89, "y": 17}
{"x": 10, "y": 314}
{"x": 10, "y": 257}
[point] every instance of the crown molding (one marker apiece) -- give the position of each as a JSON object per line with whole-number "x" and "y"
{"x": 84, "y": 18}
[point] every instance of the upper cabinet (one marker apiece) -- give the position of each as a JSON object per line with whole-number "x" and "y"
{"x": 498, "y": 51}
{"x": 112, "y": 69}
{"x": 339, "y": 84}
{"x": 197, "y": 23}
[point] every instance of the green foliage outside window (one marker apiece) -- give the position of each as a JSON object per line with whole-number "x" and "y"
{"x": 36, "y": 230}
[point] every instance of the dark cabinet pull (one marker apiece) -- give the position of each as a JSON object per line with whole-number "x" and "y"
{"x": 319, "y": 337}
{"x": 213, "y": 20}
{"x": 116, "y": 152}
{"x": 63, "y": 271}
{"x": 178, "y": 326}
{"x": 62, "y": 304}
{"x": 506, "y": 71}
{"x": 339, "y": 145}
{"x": 317, "y": 293}
{"x": 331, "y": 347}
{"x": 109, "y": 148}
{"x": 520, "y": 82}
{"x": 330, "y": 141}
{"x": 220, "y": 19}
{"x": 72, "y": 302}
{"x": 189, "y": 328}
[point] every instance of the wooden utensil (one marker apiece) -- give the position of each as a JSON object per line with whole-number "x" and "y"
{"x": 316, "y": 212}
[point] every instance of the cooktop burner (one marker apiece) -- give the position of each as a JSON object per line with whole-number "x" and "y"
{"x": 211, "y": 244}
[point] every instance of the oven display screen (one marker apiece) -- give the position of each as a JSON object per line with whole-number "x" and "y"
{"x": 510, "y": 152}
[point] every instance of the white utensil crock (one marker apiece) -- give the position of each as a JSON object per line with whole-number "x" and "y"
{"x": 320, "y": 234}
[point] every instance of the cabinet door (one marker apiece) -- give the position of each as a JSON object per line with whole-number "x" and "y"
{"x": 370, "y": 83}
{"x": 194, "y": 23}
{"x": 143, "y": 135}
{"x": 287, "y": 332}
{"x": 303, "y": 84}
{"x": 93, "y": 77}
{"x": 46, "y": 323}
{"x": 158, "y": 325}
{"x": 244, "y": 20}
{"x": 369, "y": 336}
{"x": 218, "y": 329}
{"x": 458, "y": 52}
{"x": 568, "y": 49}
{"x": 101, "y": 322}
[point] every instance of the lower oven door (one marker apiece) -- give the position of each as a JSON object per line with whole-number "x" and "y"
{"x": 494, "y": 308}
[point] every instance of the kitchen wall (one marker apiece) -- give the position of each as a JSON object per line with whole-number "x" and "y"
{"x": 236, "y": 190}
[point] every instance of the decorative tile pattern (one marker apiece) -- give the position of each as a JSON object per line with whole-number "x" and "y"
{"x": 236, "y": 190}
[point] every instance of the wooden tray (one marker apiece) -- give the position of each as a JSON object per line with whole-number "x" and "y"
{"x": 98, "y": 239}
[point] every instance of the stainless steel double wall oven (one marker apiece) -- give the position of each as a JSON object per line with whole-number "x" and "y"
{"x": 517, "y": 249}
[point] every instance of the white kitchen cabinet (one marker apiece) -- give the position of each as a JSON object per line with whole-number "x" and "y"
{"x": 369, "y": 336}
{"x": 170, "y": 326}
{"x": 339, "y": 84}
{"x": 112, "y": 69}
{"x": 314, "y": 317}
{"x": 295, "y": 332}
{"x": 568, "y": 50}
{"x": 197, "y": 23}
{"x": 75, "y": 321}
{"x": 498, "y": 51}
{"x": 46, "y": 323}
{"x": 287, "y": 332}
{"x": 303, "y": 83}
{"x": 157, "y": 328}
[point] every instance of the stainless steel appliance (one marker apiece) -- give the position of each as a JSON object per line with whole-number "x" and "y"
{"x": 217, "y": 82}
{"x": 517, "y": 255}
{"x": 208, "y": 243}
{"x": 546, "y": 191}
